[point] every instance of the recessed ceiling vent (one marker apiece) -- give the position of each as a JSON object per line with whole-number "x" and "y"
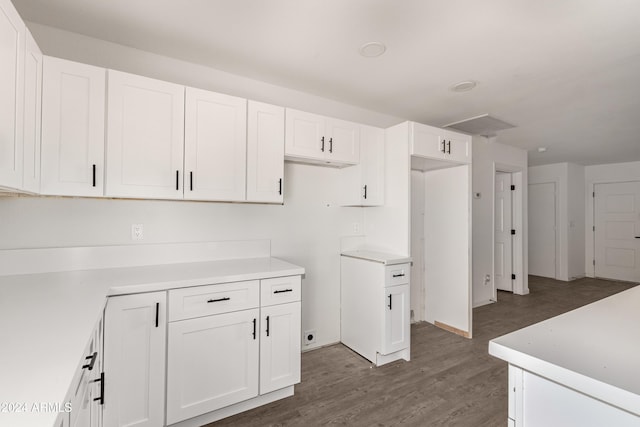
{"x": 483, "y": 125}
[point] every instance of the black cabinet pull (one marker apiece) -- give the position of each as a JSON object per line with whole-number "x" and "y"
{"x": 254, "y": 329}
{"x": 280, "y": 186}
{"x": 322, "y": 148}
{"x": 331, "y": 145}
{"x": 94, "y": 175}
{"x": 101, "y": 397}
{"x": 93, "y": 358}
{"x": 219, "y": 299}
{"x": 444, "y": 146}
{"x": 157, "y": 313}
{"x": 177, "y": 180}
{"x": 280, "y": 291}
{"x": 191, "y": 181}
{"x": 267, "y": 325}
{"x": 449, "y": 147}
{"x": 398, "y": 275}
{"x": 637, "y": 237}
{"x": 390, "y": 296}
{"x": 365, "y": 192}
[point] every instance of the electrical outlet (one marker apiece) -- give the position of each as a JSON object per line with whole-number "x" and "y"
{"x": 309, "y": 337}
{"x": 356, "y": 227}
{"x": 137, "y": 231}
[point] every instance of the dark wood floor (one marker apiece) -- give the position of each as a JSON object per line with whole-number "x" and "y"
{"x": 450, "y": 381}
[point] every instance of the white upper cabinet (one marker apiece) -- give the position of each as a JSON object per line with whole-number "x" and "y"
{"x": 434, "y": 143}
{"x": 364, "y": 182}
{"x": 12, "y": 53}
{"x": 32, "y": 115}
{"x": 215, "y": 146}
{"x": 145, "y": 137}
{"x": 318, "y": 139}
{"x": 265, "y": 153}
{"x": 73, "y": 107}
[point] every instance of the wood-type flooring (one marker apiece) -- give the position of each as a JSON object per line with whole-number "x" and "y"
{"x": 450, "y": 381}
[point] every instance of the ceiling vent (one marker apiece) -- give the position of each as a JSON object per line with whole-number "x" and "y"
{"x": 483, "y": 125}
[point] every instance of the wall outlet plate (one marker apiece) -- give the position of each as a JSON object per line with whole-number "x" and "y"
{"x": 137, "y": 231}
{"x": 309, "y": 337}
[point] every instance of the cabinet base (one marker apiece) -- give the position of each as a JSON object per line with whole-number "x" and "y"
{"x": 236, "y": 409}
{"x": 383, "y": 359}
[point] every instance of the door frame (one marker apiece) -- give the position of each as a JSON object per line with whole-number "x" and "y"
{"x": 510, "y": 207}
{"x": 518, "y": 221}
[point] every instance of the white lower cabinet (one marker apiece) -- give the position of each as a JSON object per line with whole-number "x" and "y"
{"x": 375, "y": 309}
{"x": 134, "y": 360}
{"x": 212, "y": 363}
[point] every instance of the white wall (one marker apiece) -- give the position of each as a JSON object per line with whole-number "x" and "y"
{"x": 598, "y": 174}
{"x": 576, "y": 218}
{"x": 489, "y": 155}
{"x": 306, "y": 230}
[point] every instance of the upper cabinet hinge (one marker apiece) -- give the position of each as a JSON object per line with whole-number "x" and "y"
{"x": 513, "y": 277}
{"x": 594, "y": 262}
{"x": 594, "y": 194}
{"x": 594, "y": 228}
{"x": 513, "y": 232}
{"x": 513, "y": 187}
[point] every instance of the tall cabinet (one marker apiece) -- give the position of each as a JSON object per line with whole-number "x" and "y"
{"x": 32, "y": 115}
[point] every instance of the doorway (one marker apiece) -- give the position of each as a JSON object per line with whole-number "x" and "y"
{"x": 617, "y": 230}
{"x": 542, "y": 229}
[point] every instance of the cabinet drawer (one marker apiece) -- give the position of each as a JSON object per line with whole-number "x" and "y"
{"x": 200, "y": 301}
{"x": 279, "y": 290}
{"x": 396, "y": 274}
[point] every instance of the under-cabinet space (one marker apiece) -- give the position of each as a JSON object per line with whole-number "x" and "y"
{"x": 73, "y": 120}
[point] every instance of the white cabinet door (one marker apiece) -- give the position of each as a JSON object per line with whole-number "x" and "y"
{"x": 343, "y": 144}
{"x": 458, "y": 147}
{"x": 212, "y": 363}
{"x": 279, "y": 346}
{"x": 364, "y": 182}
{"x": 73, "y": 107}
{"x": 32, "y": 115}
{"x": 397, "y": 327}
{"x": 215, "y": 146}
{"x": 12, "y": 48}
{"x": 134, "y": 360}
{"x": 265, "y": 153}
{"x": 145, "y": 137}
{"x": 305, "y": 135}
{"x": 426, "y": 141}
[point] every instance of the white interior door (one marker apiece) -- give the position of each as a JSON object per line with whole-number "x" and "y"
{"x": 542, "y": 229}
{"x": 417, "y": 246}
{"x": 503, "y": 226}
{"x": 617, "y": 234}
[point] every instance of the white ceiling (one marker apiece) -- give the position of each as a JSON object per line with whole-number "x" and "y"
{"x": 565, "y": 72}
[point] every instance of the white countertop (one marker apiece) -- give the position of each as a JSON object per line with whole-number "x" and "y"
{"x": 46, "y": 320}
{"x": 380, "y": 257}
{"x": 594, "y": 349}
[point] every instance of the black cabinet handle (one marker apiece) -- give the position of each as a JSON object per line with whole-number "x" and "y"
{"x": 219, "y": 299}
{"x": 390, "y": 296}
{"x": 267, "y": 325}
{"x": 191, "y": 181}
{"x": 157, "y": 313}
{"x": 637, "y": 237}
{"x": 101, "y": 397}
{"x": 280, "y": 291}
{"x": 331, "y": 145}
{"x": 93, "y": 358}
{"x": 94, "y": 175}
{"x": 177, "y": 180}
{"x": 280, "y": 186}
{"x": 365, "y": 192}
{"x": 449, "y": 147}
{"x": 322, "y": 148}
{"x": 254, "y": 329}
{"x": 398, "y": 275}
{"x": 444, "y": 145}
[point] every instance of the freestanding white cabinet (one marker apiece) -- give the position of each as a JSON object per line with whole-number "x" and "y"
{"x": 73, "y": 108}
{"x": 265, "y": 153}
{"x": 318, "y": 139}
{"x": 12, "y": 53}
{"x": 32, "y": 115}
{"x": 364, "y": 182}
{"x": 145, "y": 137}
{"x": 375, "y": 306}
{"x": 134, "y": 360}
{"x": 215, "y": 149}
